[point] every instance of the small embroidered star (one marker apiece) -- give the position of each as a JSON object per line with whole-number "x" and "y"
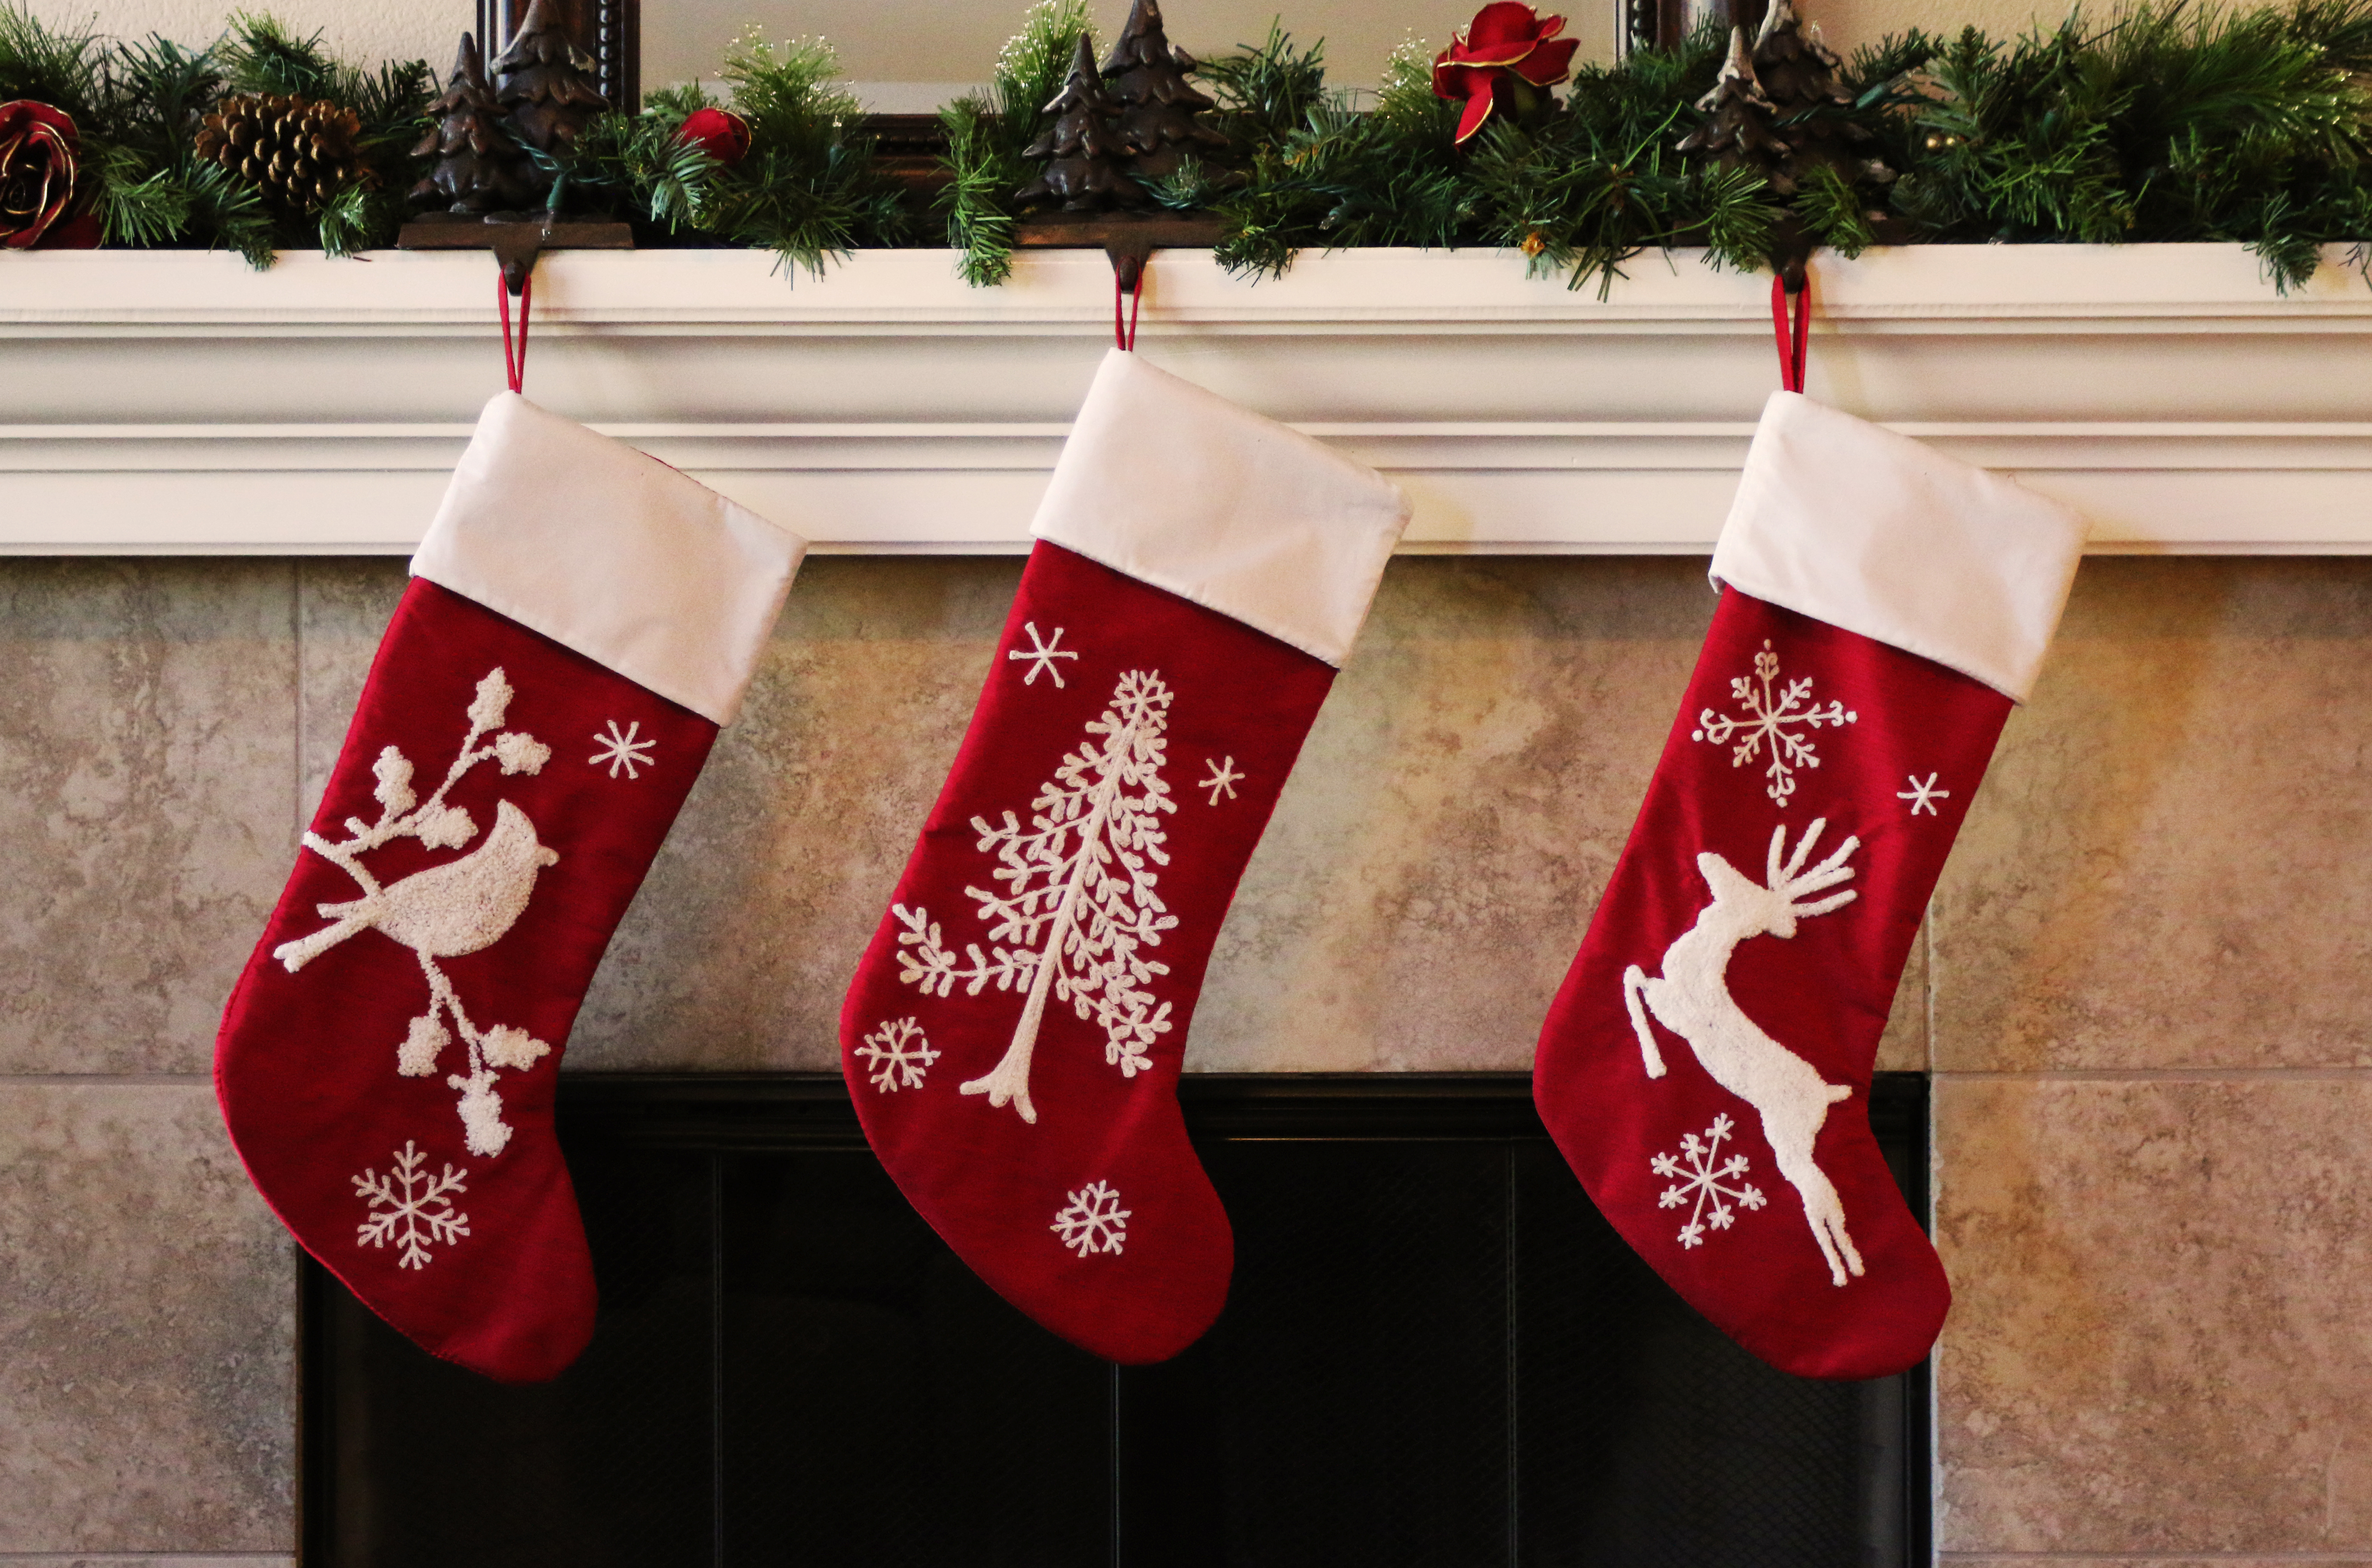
{"x": 623, "y": 750}
{"x": 1042, "y": 654}
{"x": 1224, "y": 777}
{"x": 1922, "y": 793}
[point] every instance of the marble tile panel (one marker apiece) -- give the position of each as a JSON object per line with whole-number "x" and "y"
{"x": 1435, "y": 859}
{"x": 738, "y": 950}
{"x": 147, "y": 1329}
{"x": 1903, "y": 1047}
{"x": 2156, "y": 1344}
{"x": 146, "y": 772}
{"x": 343, "y": 607}
{"x": 2168, "y": 866}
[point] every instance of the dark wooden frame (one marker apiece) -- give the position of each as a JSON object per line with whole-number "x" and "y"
{"x": 609, "y": 30}
{"x": 1648, "y": 24}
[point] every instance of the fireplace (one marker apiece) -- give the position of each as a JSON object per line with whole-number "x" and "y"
{"x": 1435, "y": 1351}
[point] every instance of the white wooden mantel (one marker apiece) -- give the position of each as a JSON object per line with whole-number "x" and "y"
{"x": 157, "y": 402}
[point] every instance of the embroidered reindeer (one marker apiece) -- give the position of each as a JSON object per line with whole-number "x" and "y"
{"x": 1691, "y": 999}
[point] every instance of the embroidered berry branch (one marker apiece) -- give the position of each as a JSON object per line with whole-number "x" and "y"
{"x": 457, "y": 907}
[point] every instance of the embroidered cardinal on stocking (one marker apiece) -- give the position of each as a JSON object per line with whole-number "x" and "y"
{"x": 1710, "y": 1052}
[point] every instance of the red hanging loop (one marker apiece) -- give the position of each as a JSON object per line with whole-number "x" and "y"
{"x": 514, "y": 360}
{"x": 1791, "y": 341}
{"x": 1133, "y": 289}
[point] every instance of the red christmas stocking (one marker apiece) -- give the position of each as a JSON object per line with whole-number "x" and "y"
{"x": 1706, "y": 1066}
{"x": 581, "y": 620}
{"x": 1012, "y": 1037}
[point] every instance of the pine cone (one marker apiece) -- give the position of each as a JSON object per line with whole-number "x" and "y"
{"x": 299, "y": 152}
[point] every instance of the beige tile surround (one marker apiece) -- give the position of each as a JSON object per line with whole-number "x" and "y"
{"x": 2144, "y": 990}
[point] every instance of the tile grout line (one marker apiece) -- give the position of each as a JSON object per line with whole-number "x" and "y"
{"x": 159, "y": 1080}
{"x": 2175, "y": 1558}
{"x": 1927, "y": 947}
{"x": 2335, "y": 1072}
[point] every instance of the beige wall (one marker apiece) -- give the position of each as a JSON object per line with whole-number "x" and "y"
{"x": 2143, "y": 991}
{"x": 919, "y": 40}
{"x": 390, "y": 30}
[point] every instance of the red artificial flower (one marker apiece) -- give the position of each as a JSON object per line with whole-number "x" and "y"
{"x": 719, "y": 132}
{"x": 37, "y": 179}
{"x": 1501, "y": 60}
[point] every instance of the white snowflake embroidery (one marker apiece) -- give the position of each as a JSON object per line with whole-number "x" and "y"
{"x": 411, "y": 1208}
{"x": 457, "y": 907}
{"x": 1079, "y": 905}
{"x": 1701, "y": 1178}
{"x": 900, "y": 1055}
{"x": 1093, "y": 1222}
{"x": 624, "y": 750}
{"x": 1042, "y": 654}
{"x": 1223, "y": 778}
{"x": 1922, "y": 794}
{"x": 1772, "y": 717}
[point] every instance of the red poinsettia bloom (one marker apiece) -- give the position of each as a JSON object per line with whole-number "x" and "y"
{"x": 721, "y": 133}
{"x": 1501, "y": 60}
{"x": 37, "y": 179}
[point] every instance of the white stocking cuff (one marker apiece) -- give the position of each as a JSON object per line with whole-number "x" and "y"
{"x": 612, "y": 553}
{"x": 1180, "y": 488}
{"x": 1839, "y": 520}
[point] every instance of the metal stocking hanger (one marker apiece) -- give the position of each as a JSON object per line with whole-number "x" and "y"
{"x": 1128, "y": 241}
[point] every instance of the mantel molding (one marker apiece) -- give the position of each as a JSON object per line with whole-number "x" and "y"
{"x": 169, "y": 402}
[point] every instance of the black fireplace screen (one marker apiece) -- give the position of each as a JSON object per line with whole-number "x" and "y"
{"x": 1434, "y": 1352}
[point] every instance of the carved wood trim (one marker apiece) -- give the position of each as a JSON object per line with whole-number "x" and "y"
{"x": 609, "y": 30}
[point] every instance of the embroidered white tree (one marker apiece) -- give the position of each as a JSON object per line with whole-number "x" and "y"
{"x": 1774, "y": 717}
{"x": 1078, "y": 907}
{"x": 411, "y": 1208}
{"x": 458, "y": 907}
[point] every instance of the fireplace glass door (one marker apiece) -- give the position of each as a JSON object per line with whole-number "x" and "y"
{"x": 1434, "y": 1352}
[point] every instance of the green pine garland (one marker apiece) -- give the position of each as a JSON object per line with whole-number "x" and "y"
{"x": 2163, "y": 124}
{"x": 986, "y": 134}
{"x": 2167, "y": 122}
{"x": 807, "y": 190}
{"x": 137, "y": 107}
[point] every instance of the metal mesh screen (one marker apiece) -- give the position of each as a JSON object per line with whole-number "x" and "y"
{"x": 1435, "y": 1351}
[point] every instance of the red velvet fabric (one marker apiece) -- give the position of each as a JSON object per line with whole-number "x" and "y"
{"x": 307, "y": 1063}
{"x": 1821, "y": 994}
{"x": 992, "y": 1184}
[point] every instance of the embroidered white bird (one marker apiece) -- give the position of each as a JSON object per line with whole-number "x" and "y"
{"x": 455, "y": 908}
